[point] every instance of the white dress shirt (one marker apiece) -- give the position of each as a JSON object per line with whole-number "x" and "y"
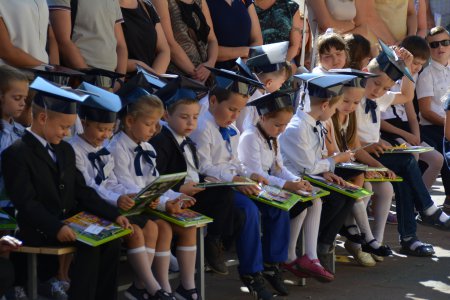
{"x": 433, "y": 82}
{"x": 302, "y": 148}
{"x": 215, "y": 157}
{"x": 368, "y": 131}
{"x": 249, "y": 115}
{"x": 257, "y": 157}
{"x": 122, "y": 148}
{"x": 192, "y": 171}
{"x": 109, "y": 189}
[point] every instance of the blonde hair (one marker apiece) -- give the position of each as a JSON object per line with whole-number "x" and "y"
{"x": 146, "y": 105}
{"x": 332, "y": 101}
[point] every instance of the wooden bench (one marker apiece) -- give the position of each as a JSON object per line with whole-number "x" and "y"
{"x": 32, "y": 253}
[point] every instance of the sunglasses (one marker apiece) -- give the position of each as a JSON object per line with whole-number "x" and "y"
{"x": 436, "y": 44}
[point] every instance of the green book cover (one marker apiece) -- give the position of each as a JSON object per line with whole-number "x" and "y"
{"x": 383, "y": 179}
{"x": 93, "y": 230}
{"x": 187, "y": 218}
{"x": 410, "y": 149}
{"x": 6, "y": 221}
{"x": 359, "y": 166}
{"x": 353, "y": 192}
{"x": 205, "y": 185}
{"x": 285, "y": 200}
{"x": 153, "y": 191}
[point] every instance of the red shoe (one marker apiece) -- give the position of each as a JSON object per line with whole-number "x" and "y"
{"x": 313, "y": 268}
{"x": 293, "y": 268}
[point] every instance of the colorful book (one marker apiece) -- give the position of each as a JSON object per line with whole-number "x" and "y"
{"x": 205, "y": 185}
{"x": 93, "y": 230}
{"x": 383, "y": 179}
{"x": 359, "y": 166}
{"x": 350, "y": 191}
{"x": 408, "y": 149}
{"x": 285, "y": 200}
{"x": 152, "y": 192}
{"x": 187, "y": 218}
{"x": 6, "y": 221}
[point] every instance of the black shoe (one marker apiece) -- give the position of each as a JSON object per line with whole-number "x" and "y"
{"x": 162, "y": 295}
{"x": 355, "y": 238}
{"x": 133, "y": 293}
{"x": 256, "y": 285}
{"x": 52, "y": 289}
{"x": 214, "y": 255}
{"x": 182, "y": 294}
{"x": 381, "y": 251}
{"x": 422, "y": 251}
{"x": 434, "y": 220}
{"x": 272, "y": 274}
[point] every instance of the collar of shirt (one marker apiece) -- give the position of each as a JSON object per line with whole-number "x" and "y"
{"x": 85, "y": 145}
{"x": 131, "y": 145}
{"x": 9, "y": 127}
{"x": 307, "y": 117}
{"x": 38, "y": 137}
{"x": 439, "y": 66}
{"x": 178, "y": 137}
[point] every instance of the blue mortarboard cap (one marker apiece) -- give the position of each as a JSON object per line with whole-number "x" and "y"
{"x": 272, "y": 102}
{"x": 181, "y": 88}
{"x": 244, "y": 70}
{"x": 57, "y": 74}
{"x": 100, "y": 77}
{"x": 55, "y": 98}
{"x": 267, "y": 58}
{"x": 361, "y": 76}
{"x": 101, "y": 106}
{"x": 325, "y": 86}
{"x": 234, "y": 82}
{"x": 391, "y": 64}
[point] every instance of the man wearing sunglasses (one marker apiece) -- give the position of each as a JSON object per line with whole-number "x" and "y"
{"x": 432, "y": 84}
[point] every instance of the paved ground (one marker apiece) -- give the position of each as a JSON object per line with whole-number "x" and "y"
{"x": 399, "y": 277}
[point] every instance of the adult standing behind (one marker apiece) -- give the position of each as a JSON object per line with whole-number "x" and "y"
{"x": 146, "y": 42}
{"x": 25, "y": 34}
{"x": 189, "y": 31}
{"x": 237, "y": 28}
{"x": 438, "y": 13}
{"x": 94, "y": 38}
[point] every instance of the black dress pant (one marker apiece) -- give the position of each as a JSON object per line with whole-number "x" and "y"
{"x": 6, "y": 275}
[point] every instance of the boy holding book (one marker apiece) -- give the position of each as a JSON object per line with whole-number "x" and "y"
{"x": 43, "y": 183}
{"x": 178, "y": 153}
{"x": 304, "y": 152}
{"x": 411, "y": 193}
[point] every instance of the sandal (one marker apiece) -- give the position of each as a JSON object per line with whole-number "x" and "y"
{"x": 383, "y": 250}
{"x": 421, "y": 251}
{"x": 355, "y": 238}
{"x": 293, "y": 268}
{"x": 434, "y": 221}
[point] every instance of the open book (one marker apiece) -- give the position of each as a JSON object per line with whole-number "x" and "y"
{"x": 408, "y": 149}
{"x": 359, "y": 166}
{"x": 383, "y": 179}
{"x": 214, "y": 182}
{"x": 153, "y": 191}
{"x": 285, "y": 200}
{"x": 93, "y": 230}
{"x": 187, "y": 218}
{"x": 6, "y": 221}
{"x": 351, "y": 191}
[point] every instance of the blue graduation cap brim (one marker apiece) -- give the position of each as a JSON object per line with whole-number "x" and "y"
{"x": 391, "y": 64}
{"x": 268, "y": 58}
{"x": 361, "y": 76}
{"x": 234, "y": 82}
{"x": 55, "y": 98}
{"x": 244, "y": 70}
{"x": 101, "y": 106}
{"x": 181, "y": 88}
{"x": 325, "y": 86}
{"x": 272, "y": 102}
{"x": 57, "y": 74}
{"x": 100, "y": 77}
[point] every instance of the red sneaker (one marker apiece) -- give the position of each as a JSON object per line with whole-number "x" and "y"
{"x": 313, "y": 268}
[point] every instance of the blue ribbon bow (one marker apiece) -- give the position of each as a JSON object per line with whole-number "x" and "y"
{"x": 372, "y": 107}
{"x": 98, "y": 164}
{"x": 227, "y": 132}
{"x": 147, "y": 155}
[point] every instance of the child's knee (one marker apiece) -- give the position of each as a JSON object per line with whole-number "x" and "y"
{"x": 136, "y": 239}
{"x": 150, "y": 230}
{"x": 187, "y": 236}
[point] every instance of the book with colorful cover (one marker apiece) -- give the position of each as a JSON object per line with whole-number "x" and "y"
{"x": 408, "y": 149}
{"x": 152, "y": 192}
{"x": 205, "y": 185}
{"x": 6, "y": 221}
{"x": 350, "y": 191}
{"x": 359, "y": 166}
{"x": 187, "y": 218}
{"x": 93, "y": 230}
{"x": 285, "y": 200}
{"x": 383, "y": 179}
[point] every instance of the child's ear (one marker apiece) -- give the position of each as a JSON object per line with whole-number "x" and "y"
{"x": 325, "y": 105}
{"x": 42, "y": 117}
{"x": 165, "y": 115}
{"x": 213, "y": 100}
{"x": 365, "y": 69}
{"x": 268, "y": 83}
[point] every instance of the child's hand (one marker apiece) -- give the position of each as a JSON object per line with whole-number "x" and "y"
{"x": 372, "y": 174}
{"x": 190, "y": 189}
{"x": 154, "y": 204}
{"x": 389, "y": 174}
{"x": 8, "y": 244}
{"x": 186, "y": 201}
{"x": 412, "y": 139}
{"x": 301, "y": 185}
{"x": 66, "y": 234}
{"x": 405, "y": 55}
{"x": 173, "y": 206}
{"x": 344, "y": 156}
{"x": 248, "y": 189}
{"x": 334, "y": 178}
{"x": 125, "y": 202}
{"x": 123, "y": 222}
{"x": 258, "y": 178}
{"x": 376, "y": 149}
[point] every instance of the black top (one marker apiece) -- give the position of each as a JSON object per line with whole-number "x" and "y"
{"x": 140, "y": 33}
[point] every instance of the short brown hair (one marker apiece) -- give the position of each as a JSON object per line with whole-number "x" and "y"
{"x": 186, "y": 101}
{"x": 358, "y": 50}
{"x": 417, "y": 45}
{"x": 331, "y": 40}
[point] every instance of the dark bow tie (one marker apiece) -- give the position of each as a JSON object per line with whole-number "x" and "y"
{"x": 371, "y": 106}
{"x": 227, "y": 132}
{"x": 147, "y": 155}
{"x": 187, "y": 142}
{"x": 321, "y": 132}
{"x": 18, "y": 131}
{"x": 98, "y": 164}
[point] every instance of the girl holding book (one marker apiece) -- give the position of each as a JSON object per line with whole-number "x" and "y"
{"x": 135, "y": 167}
{"x": 259, "y": 151}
